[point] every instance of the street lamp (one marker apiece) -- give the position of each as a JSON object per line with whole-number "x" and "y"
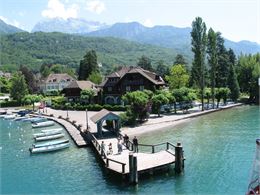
{"x": 87, "y": 118}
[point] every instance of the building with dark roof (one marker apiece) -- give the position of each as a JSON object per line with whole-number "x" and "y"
{"x": 72, "y": 91}
{"x": 129, "y": 79}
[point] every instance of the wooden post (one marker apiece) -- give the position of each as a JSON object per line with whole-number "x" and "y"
{"x": 135, "y": 171}
{"x": 131, "y": 176}
{"x": 178, "y": 158}
{"x": 152, "y": 149}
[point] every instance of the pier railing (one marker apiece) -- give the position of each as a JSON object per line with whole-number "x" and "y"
{"x": 115, "y": 161}
{"x": 98, "y": 147}
{"x": 157, "y": 147}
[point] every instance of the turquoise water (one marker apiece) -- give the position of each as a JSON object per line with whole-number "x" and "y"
{"x": 219, "y": 149}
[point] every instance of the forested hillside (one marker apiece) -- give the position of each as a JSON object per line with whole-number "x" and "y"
{"x": 35, "y": 49}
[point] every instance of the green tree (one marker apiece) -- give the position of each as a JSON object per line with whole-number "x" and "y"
{"x": 208, "y": 92}
{"x": 29, "y": 78}
{"x": 5, "y": 85}
{"x": 19, "y": 87}
{"x": 45, "y": 71}
{"x": 138, "y": 104}
{"x": 158, "y": 100}
{"x": 179, "y": 59}
{"x": 88, "y": 65}
{"x": 87, "y": 95}
{"x": 232, "y": 77}
{"x": 145, "y": 63}
{"x": 95, "y": 77}
{"x": 31, "y": 99}
{"x": 222, "y": 93}
{"x": 212, "y": 60}
{"x": 178, "y": 77}
{"x": 162, "y": 69}
{"x": 199, "y": 43}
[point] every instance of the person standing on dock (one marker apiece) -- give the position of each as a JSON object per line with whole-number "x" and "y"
{"x": 135, "y": 144}
{"x": 126, "y": 141}
{"x": 119, "y": 146}
{"x": 103, "y": 149}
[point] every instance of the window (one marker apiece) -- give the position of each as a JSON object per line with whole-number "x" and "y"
{"x": 109, "y": 89}
{"x": 128, "y": 88}
{"x": 141, "y": 87}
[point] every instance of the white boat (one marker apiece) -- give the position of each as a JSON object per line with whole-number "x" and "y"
{"x": 50, "y": 143}
{"x": 20, "y": 118}
{"x": 47, "y": 133}
{"x": 49, "y": 148}
{"x": 49, "y": 137}
{"x": 38, "y": 119}
{"x": 10, "y": 116}
{"x": 43, "y": 124}
{"x": 50, "y": 130}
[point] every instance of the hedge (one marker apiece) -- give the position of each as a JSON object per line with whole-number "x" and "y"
{"x": 10, "y": 103}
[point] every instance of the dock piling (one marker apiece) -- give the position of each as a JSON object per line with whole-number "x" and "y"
{"x": 179, "y": 158}
{"x": 133, "y": 173}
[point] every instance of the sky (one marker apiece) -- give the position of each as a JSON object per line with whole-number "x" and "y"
{"x": 236, "y": 19}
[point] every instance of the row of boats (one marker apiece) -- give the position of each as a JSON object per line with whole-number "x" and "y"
{"x": 49, "y": 138}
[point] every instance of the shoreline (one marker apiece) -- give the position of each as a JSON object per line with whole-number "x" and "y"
{"x": 173, "y": 121}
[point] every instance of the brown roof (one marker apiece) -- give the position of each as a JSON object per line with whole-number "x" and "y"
{"x": 102, "y": 114}
{"x": 56, "y": 78}
{"x": 83, "y": 85}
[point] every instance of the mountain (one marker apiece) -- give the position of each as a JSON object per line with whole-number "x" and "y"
{"x": 35, "y": 49}
{"x": 71, "y": 25}
{"x": 7, "y": 28}
{"x": 166, "y": 36}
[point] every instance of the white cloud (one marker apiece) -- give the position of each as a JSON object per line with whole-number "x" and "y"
{"x": 96, "y": 6}
{"x": 148, "y": 23}
{"x": 56, "y": 9}
{"x": 21, "y": 13}
{"x": 11, "y": 22}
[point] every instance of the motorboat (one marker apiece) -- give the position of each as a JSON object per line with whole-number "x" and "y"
{"x": 50, "y": 148}
{"x": 24, "y": 112}
{"x": 47, "y": 133}
{"x": 50, "y": 130}
{"x": 43, "y": 124}
{"x": 38, "y": 119}
{"x": 254, "y": 183}
{"x": 20, "y": 118}
{"x": 10, "y": 116}
{"x": 50, "y": 143}
{"x": 49, "y": 137}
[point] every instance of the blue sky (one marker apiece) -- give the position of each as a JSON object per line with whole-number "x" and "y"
{"x": 236, "y": 19}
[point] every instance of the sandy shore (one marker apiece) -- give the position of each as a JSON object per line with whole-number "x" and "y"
{"x": 154, "y": 123}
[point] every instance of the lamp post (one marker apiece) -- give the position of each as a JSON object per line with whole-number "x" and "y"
{"x": 87, "y": 118}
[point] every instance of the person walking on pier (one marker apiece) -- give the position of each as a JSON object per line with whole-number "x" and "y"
{"x": 119, "y": 146}
{"x": 135, "y": 144}
{"x": 126, "y": 141}
{"x": 103, "y": 149}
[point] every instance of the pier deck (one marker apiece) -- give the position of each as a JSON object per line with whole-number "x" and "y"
{"x": 145, "y": 161}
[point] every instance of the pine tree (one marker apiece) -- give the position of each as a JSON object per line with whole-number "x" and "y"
{"x": 145, "y": 63}
{"x": 212, "y": 60}
{"x": 18, "y": 87}
{"x": 199, "y": 42}
{"x": 88, "y": 65}
{"x": 179, "y": 59}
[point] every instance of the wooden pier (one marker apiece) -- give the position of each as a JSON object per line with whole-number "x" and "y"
{"x": 160, "y": 156}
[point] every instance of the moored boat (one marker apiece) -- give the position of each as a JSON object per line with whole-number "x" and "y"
{"x": 10, "y": 116}
{"x": 20, "y": 118}
{"x": 47, "y": 133}
{"x": 43, "y": 124}
{"x": 254, "y": 184}
{"x": 50, "y": 143}
{"x": 38, "y": 119}
{"x": 49, "y": 148}
{"x": 50, "y": 130}
{"x": 49, "y": 137}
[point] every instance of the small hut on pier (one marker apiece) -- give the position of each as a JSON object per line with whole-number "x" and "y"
{"x": 105, "y": 115}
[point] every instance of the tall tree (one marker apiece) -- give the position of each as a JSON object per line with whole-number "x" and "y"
{"x": 212, "y": 60}
{"x": 199, "y": 43}
{"x": 162, "y": 69}
{"x": 232, "y": 77}
{"x": 18, "y": 87}
{"x": 179, "y": 59}
{"x": 88, "y": 65}
{"x": 178, "y": 77}
{"x": 145, "y": 63}
{"x": 29, "y": 78}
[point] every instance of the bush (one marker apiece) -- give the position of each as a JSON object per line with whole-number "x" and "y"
{"x": 11, "y": 103}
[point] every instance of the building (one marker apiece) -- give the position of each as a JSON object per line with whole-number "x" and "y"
{"x": 129, "y": 79}
{"x": 72, "y": 91}
{"x": 55, "y": 82}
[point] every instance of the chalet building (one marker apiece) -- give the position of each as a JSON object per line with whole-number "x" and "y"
{"x": 129, "y": 79}
{"x": 72, "y": 91}
{"x": 55, "y": 82}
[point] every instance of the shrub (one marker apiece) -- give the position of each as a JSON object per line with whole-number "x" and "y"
{"x": 11, "y": 103}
